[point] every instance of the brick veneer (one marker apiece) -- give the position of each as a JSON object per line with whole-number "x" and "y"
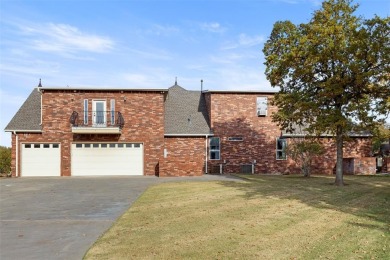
{"x": 231, "y": 115}
{"x": 362, "y": 165}
{"x": 386, "y": 165}
{"x": 234, "y": 115}
{"x": 143, "y": 113}
{"x": 186, "y": 156}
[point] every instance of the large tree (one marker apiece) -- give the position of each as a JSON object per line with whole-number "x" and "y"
{"x": 333, "y": 72}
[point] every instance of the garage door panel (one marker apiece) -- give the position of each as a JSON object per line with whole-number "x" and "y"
{"x": 107, "y": 159}
{"x": 41, "y": 160}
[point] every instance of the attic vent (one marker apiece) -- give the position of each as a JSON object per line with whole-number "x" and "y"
{"x": 262, "y": 106}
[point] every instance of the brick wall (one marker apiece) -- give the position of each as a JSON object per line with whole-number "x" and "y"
{"x": 186, "y": 157}
{"x": 143, "y": 113}
{"x": 386, "y": 165}
{"x": 353, "y": 148}
{"x": 234, "y": 115}
{"x": 363, "y": 165}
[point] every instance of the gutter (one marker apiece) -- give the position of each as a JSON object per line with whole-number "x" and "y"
{"x": 17, "y": 154}
{"x": 107, "y": 89}
{"x": 329, "y": 135}
{"x": 183, "y": 135}
{"x": 39, "y": 90}
{"x": 23, "y": 131}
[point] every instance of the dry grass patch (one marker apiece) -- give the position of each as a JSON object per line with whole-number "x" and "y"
{"x": 263, "y": 217}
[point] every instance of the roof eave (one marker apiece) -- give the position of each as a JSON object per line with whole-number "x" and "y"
{"x": 173, "y": 135}
{"x": 241, "y": 91}
{"x": 107, "y": 89}
{"x": 23, "y": 131}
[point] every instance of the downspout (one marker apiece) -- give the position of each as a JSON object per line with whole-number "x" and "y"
{"x": 41, "y": 105}
{"x": 206, "y": 170}
{"x": 17, "y": 155}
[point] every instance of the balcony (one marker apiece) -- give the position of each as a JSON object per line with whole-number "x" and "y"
{"x": 97, "y": 122}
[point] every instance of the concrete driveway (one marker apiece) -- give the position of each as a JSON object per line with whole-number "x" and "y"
{"x": 60, "y": 218}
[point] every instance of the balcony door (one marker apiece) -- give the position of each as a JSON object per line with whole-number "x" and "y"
{"x": 99, "y": 113}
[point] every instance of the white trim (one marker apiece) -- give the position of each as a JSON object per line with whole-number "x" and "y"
{"x": 280, "y": 150}
{"x": 112, "y": 111}
{"x": 17, "y": 155}
{"x": 24, "y": 131}
{"x": 95, "y": 122}
{"x": 323, "y": 135}
{"x": 96, "y": 130}
{"x": 41, "y": 107}
{"x": 85, "y": 111}
{"x": 107, "y": 89}
{"x": 206, "y": 140}
{"x": 242, "y": 91}
{"x": 219, "y": 150}
{"x": 206, "y": 135}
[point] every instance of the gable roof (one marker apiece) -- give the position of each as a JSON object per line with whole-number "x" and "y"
{"x": 185, "y": 112}
{"x": 28, "y": 117}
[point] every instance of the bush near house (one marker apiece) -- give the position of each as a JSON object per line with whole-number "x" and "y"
{"x": 5, "y": 160}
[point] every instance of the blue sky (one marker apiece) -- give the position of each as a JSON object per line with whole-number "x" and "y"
{"x": 140, "y": 44}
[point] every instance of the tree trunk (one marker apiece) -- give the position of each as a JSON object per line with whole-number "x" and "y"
{"x": 339, "y": 161}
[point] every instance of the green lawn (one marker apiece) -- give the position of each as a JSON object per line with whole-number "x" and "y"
{"x": 262, "y": 217}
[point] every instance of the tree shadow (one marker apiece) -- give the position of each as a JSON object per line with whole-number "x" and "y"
{"x": 365, "y": 196}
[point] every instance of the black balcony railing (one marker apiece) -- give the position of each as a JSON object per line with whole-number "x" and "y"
{"x": 97, "y": 119}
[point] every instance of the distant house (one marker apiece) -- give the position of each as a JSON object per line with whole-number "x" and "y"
{"x": 162, "y": 132}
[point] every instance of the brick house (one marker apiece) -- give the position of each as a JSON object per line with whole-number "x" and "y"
{"x": 162, "y": 132}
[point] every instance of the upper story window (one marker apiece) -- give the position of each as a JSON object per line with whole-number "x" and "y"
{"x": 215, "y": 148}
{"x": 112, "y": 112}
{"x": 281, "y": 145}
{"x": 85, "y": 117}
{"x": 262, "y": 106}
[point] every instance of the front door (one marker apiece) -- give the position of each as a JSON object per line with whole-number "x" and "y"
{"x": 99, "y": 113}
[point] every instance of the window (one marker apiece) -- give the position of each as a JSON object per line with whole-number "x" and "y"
{"x": 46, "y": 145}
{"x": 137, "y": 145}
{"x": 214, "y": 148}
{"x": 112, "y": 145}
{"x": 235, "y": 139}
{"x": 27, "y": 146}
{"x": 56, "y": 145}
{"x": 87, "y": 145}
{"x": 95, "y": 145}
{"x": 85, "y": 111}
{"x": 104, "y": 145}
{"x": 281, "y": 145}
{"x": 112, "y": 112}
{"x": 37, "y": 146}
{"x": 262, "y": 106}
{"x": 79, "y": 145}
{"x": 120, "y": 145}
{"x": 128, "y": 145}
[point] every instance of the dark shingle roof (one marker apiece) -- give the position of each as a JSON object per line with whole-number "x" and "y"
{"x": 300, "y": 131}
{"x": 28, "y": 117}
{"x": 185, "y": 112}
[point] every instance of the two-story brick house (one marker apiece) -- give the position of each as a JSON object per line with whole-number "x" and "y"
{"x": 163, "y": 132}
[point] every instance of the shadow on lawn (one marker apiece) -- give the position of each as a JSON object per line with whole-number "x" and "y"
{"x": 364, "y": 196}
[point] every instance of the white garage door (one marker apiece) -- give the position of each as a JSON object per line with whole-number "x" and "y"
{"x": 41, "y": 160}
{"x": 91, "y": 159}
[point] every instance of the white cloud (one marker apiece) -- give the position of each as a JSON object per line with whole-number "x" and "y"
{"x": 162, "y": 30}
{"x": 244, "y": 41}
{"x": 212, "y": 27}
{"x": 63, "y": 38}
